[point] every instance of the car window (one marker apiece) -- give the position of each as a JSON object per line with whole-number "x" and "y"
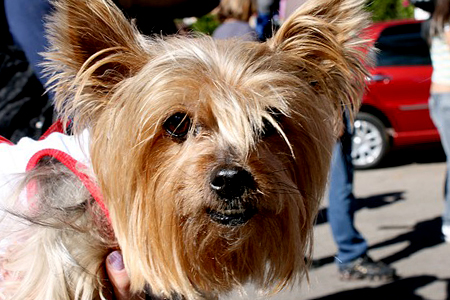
{"x": 402, "y": 45}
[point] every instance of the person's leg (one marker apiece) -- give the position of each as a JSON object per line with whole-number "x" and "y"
{"x": 446, "y": 213}
{"x": 351, "y": 245}
{"x": 26, "y": 24}
{"x": 352, "y": 259}
{"x": 440, "y": 114}
{"x": 266, "y": 10}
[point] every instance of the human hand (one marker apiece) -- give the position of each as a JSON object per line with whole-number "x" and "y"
{"x": 115, "y": 269}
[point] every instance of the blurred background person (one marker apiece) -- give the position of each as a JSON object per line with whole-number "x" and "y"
{"x": 24, "y": 108}
{"x": 234, "y": 16}
{"x": 439, "y": 102}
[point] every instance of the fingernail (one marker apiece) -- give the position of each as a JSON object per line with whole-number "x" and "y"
{"x": 115, "y": 260}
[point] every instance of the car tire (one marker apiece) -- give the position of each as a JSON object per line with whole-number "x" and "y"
{"x": 370, "y": 142}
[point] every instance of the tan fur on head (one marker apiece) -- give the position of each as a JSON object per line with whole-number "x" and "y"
{"x": 267, "y": 110}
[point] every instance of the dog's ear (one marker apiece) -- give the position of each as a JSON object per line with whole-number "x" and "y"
{"x": 323, "y": 41}
{"x": 93, "y": 47}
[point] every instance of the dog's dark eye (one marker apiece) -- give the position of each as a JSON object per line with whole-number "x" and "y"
{"x": 268, "y": 128}
{"x": 178, "y": 125}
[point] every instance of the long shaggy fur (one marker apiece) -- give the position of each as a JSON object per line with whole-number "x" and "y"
{"x": 122, "y": 87}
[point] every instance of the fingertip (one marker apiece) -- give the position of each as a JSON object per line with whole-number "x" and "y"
{"x": 115, "y": 261}
{"x": 115, "y": 268}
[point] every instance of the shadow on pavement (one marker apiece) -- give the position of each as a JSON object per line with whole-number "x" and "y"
{"x": 371, "y": 202}
{"x": 380, "y": 200}
{"x": 447, "y": 280}
{"x": 400, "y": 289}
{"x": 424, "y": 235}
{"x": 421, "y": 154}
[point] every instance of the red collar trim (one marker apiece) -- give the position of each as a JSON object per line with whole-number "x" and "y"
{"x": 58, "y": 126}
{"x": 6, "y": 141}
{"x": 77, "y": 168}
{"x": 72, "y": 164}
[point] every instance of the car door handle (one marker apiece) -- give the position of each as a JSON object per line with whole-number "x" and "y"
{"x": 380, "y": 78}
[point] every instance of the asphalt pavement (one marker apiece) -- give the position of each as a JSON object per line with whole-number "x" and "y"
{"x": 400, "y": 205}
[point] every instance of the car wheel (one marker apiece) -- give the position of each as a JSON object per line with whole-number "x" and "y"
{"x": 370, "y": 141}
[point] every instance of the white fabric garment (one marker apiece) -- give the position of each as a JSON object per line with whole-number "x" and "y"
{"x": 440, "y": 57}
{"x": 14, "y": 158}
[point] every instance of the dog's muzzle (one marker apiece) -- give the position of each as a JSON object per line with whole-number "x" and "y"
{"x": 231, "y": 184}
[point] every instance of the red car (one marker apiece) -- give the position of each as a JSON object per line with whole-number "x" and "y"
{"x": 394, "y": 110}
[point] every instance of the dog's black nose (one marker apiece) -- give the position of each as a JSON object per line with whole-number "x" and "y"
{"x": 231, "y": 182}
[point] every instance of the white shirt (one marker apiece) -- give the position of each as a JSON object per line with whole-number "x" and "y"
{"x": 440, "y": 57}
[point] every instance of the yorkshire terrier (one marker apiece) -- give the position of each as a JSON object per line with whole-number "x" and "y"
{"x": 207, "y": 159}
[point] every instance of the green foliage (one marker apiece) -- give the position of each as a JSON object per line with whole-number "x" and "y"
{"x": 383, "y": 10}
{"x": 206, "y": 24}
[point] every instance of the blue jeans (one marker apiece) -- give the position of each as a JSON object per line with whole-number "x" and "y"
{"x": 342, "y": 204}
{"x": 440, "y": 114}
{"x": 26, "y": 25}
{"x": 266, "y": 11}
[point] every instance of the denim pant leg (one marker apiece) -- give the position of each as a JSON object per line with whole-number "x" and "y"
{"x": 440, "y": 114}
{"x": 26, "y": 24}
{"x": 351, "y": 245}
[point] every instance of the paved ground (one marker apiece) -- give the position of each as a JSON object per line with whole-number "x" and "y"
{"x": 400, "y": 212}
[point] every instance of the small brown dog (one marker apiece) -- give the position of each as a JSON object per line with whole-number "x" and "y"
{"x": 211, "y": 156}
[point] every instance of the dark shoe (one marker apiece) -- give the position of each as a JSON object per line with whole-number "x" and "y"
{"x": 365, "y": 268}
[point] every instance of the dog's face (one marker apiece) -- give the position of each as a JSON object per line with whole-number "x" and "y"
{"x": 212, "y": 155}
{"x": 223, "y": 163}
